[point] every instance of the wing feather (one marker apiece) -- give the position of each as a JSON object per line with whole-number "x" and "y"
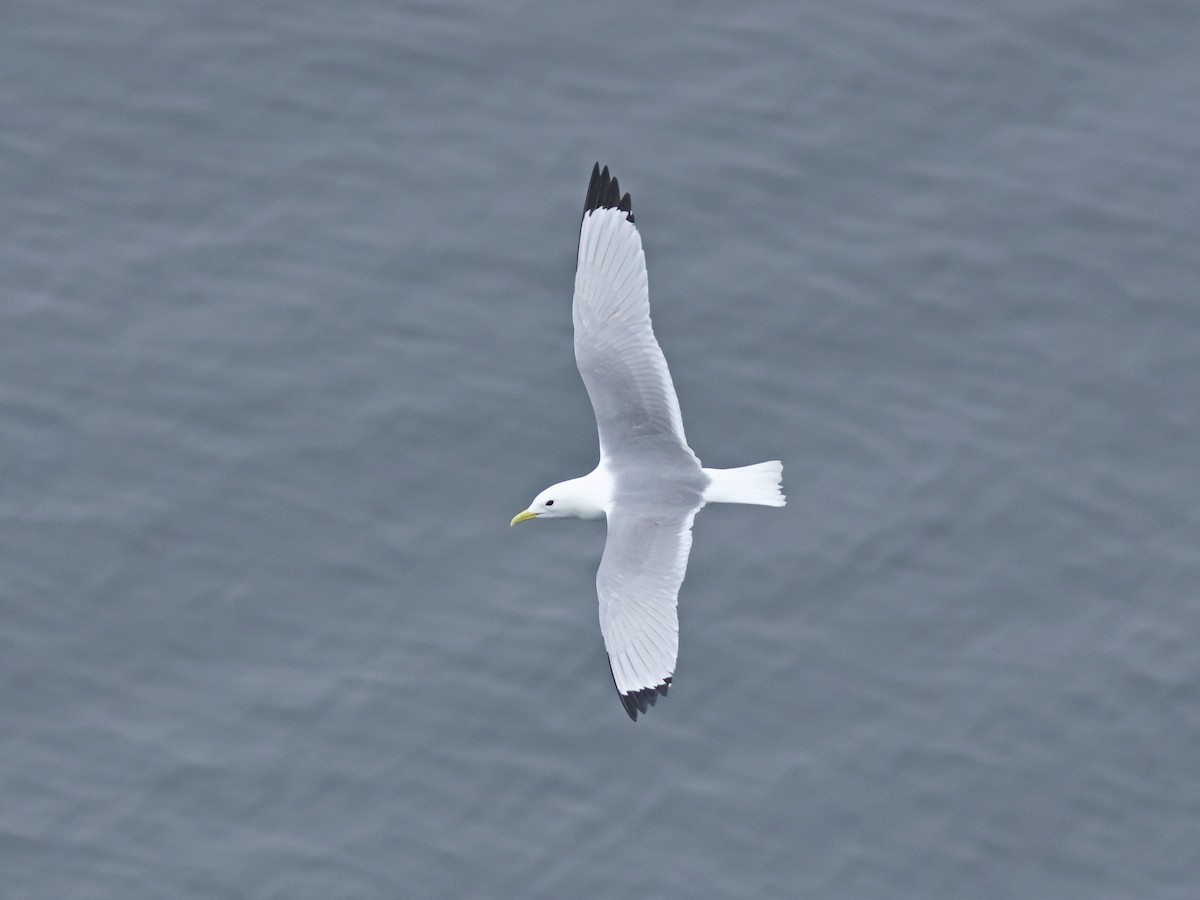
{"x": 645, "y": 559}
{"x": 622, "y": 366}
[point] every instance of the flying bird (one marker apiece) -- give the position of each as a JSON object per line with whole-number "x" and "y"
{"x": 648, "y": 483}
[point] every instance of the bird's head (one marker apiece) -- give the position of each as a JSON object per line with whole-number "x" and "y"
{"x": 577, "y": 498}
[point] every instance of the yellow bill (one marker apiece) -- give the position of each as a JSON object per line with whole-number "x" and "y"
{"x": 522, "y": 517}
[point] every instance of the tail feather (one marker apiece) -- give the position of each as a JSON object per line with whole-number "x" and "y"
{"x": 760, "y": 484}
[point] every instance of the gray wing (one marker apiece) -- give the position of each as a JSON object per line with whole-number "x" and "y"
{"x": 622, "y": 366}
{"x": 638, "y": 582}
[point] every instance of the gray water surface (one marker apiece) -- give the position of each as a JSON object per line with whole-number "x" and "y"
{"x": 285, "y": 342}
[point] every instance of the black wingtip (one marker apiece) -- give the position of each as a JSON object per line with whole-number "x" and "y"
{"x": 641, "y": 700}
{"x": 630, "y": 705}
{"x": 604, "y": 192}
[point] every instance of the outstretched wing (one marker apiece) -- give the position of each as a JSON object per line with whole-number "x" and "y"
{"x": 638, "y": 582}
{"x": 622, "y": 366}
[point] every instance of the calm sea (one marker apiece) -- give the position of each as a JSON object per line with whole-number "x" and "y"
{"x": 285, "y": 342}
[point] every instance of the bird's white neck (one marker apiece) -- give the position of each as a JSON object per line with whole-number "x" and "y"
{"x": 589, "y": 497}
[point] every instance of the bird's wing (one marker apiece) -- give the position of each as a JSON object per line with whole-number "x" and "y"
{"x": 622, "y": 366}
{"x": 638, "y": 582}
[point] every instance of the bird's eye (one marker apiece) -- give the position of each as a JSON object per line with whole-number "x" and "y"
{"x": 549, "y": 502}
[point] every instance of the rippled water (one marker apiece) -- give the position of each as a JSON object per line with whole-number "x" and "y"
{"x": 285, "y": 342}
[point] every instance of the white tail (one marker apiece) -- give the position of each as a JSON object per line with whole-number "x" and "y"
{"x": 760, "y": 484}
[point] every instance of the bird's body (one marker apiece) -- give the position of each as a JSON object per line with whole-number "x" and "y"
{"x": 648, "y": 484}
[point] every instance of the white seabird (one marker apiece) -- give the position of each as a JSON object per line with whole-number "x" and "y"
{"x": 649, "y": 484}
